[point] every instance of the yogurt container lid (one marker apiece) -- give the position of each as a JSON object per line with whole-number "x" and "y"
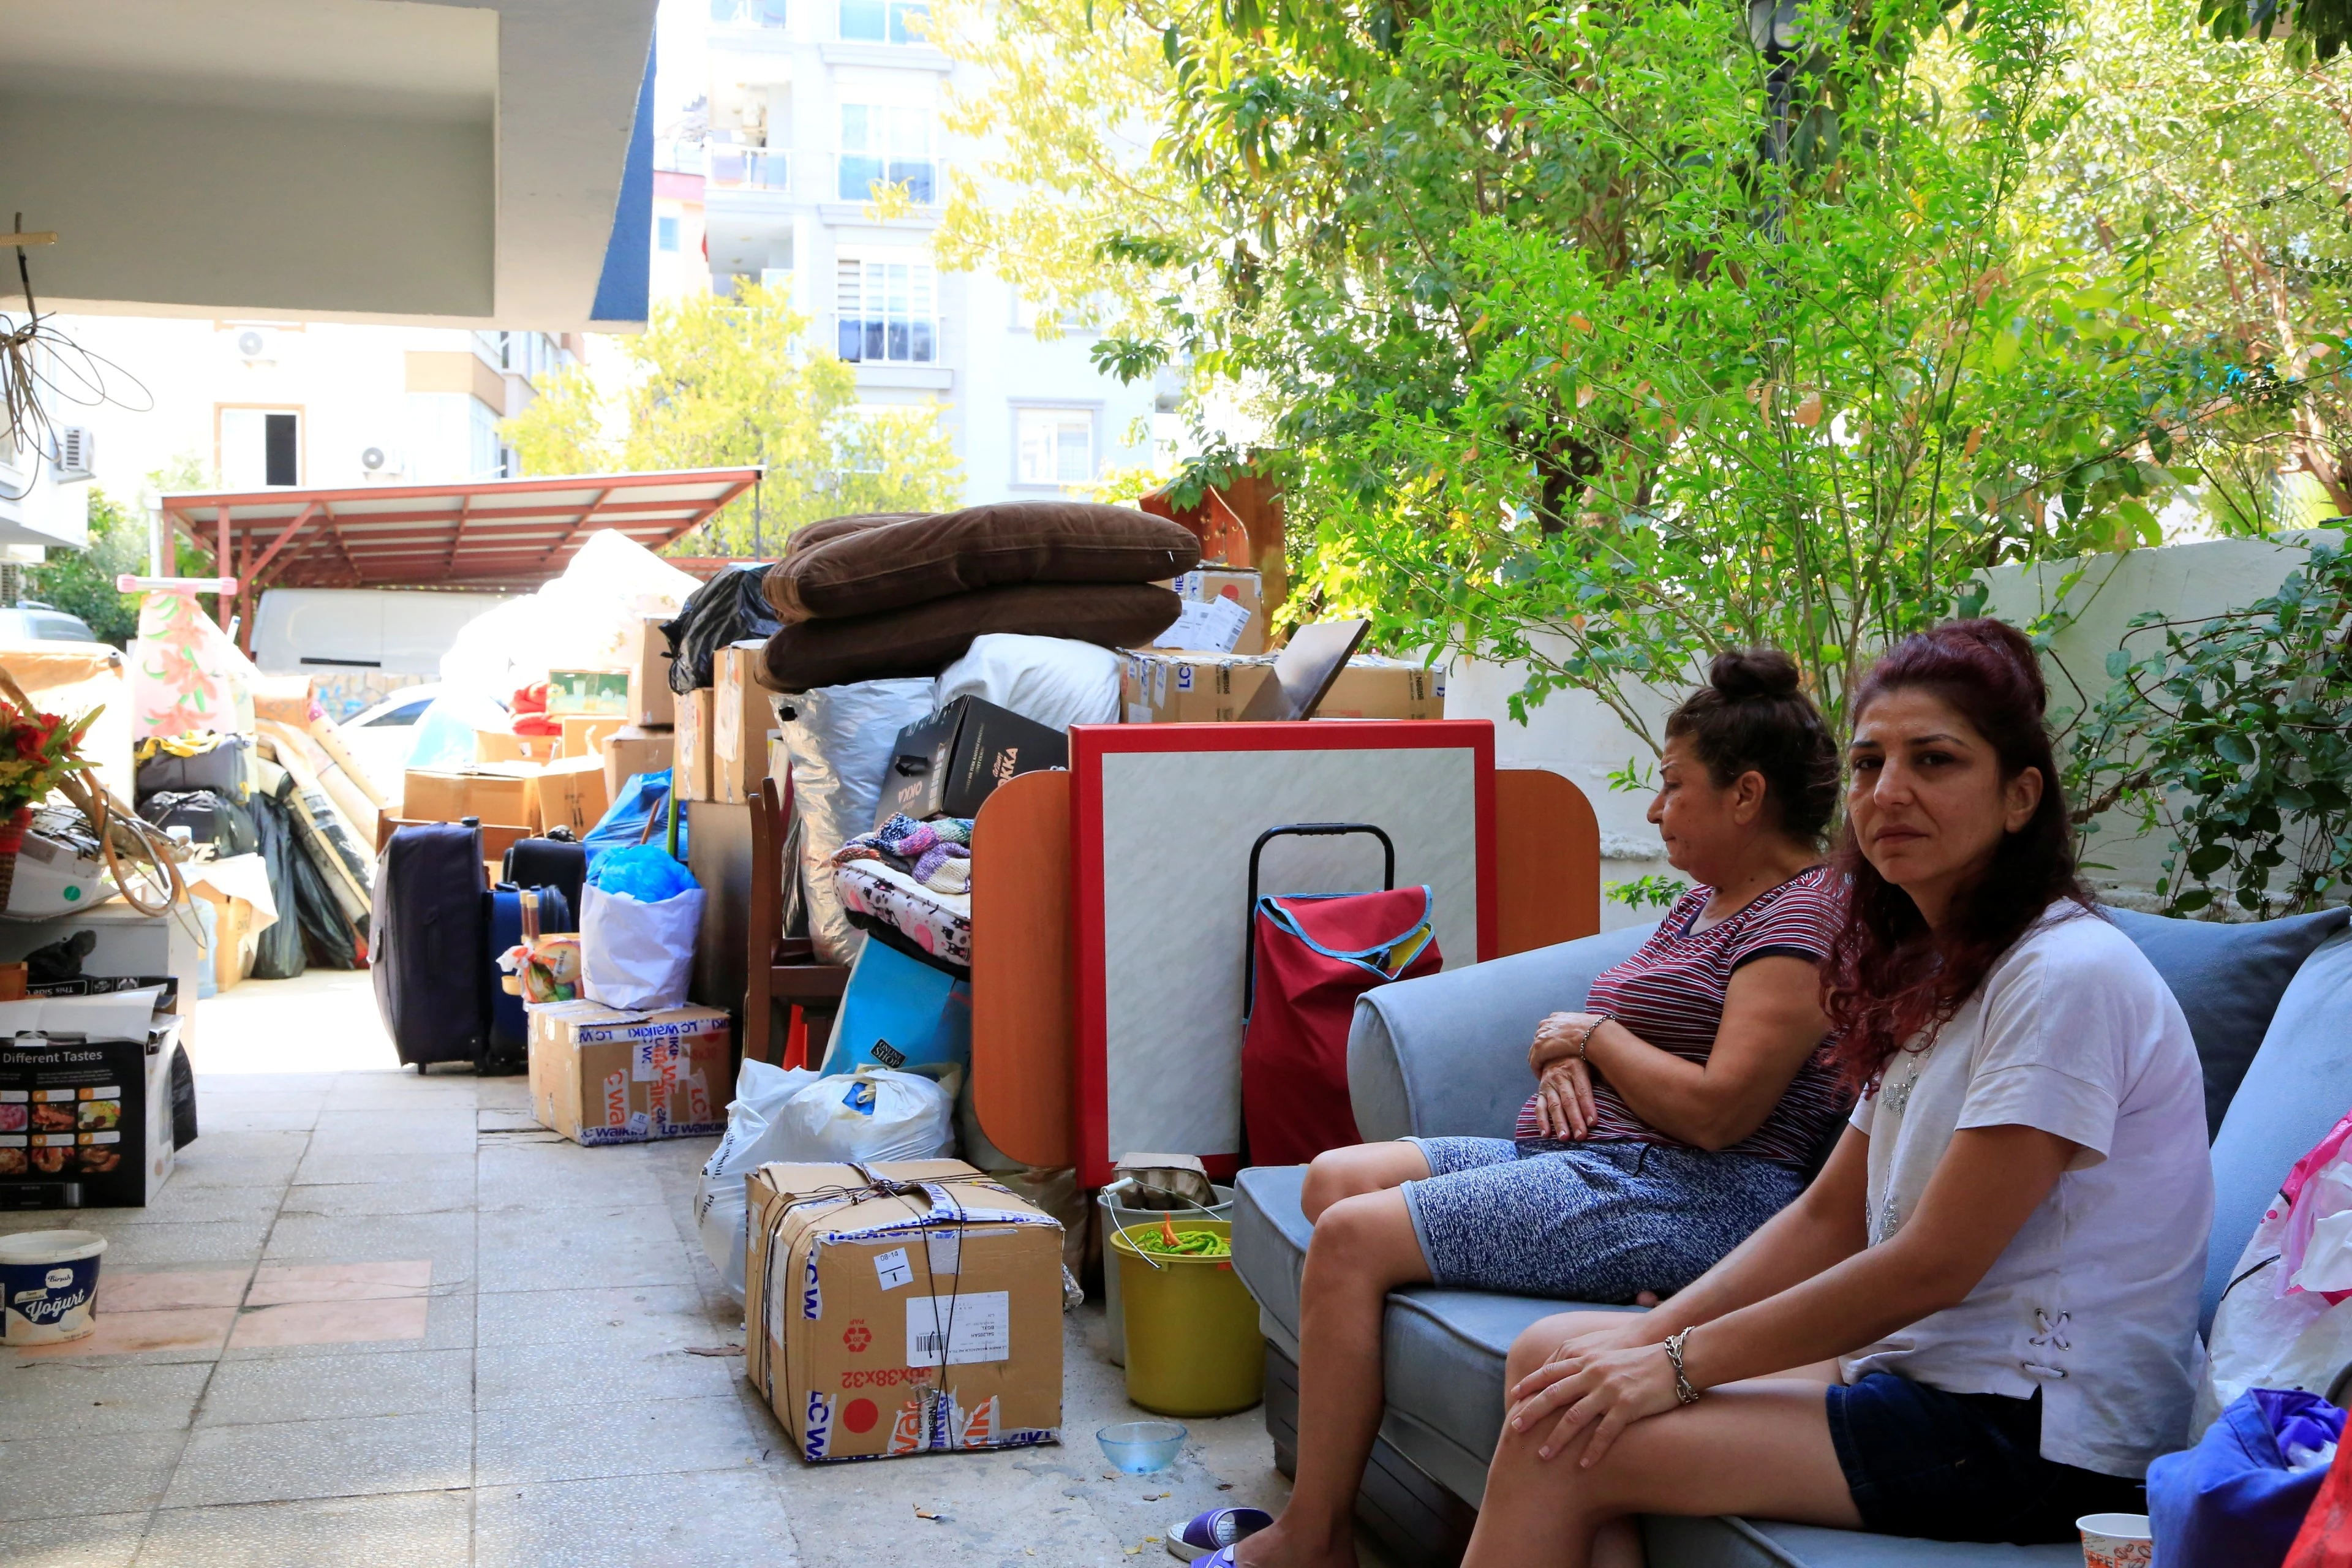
{"x": 50, "y": 1245}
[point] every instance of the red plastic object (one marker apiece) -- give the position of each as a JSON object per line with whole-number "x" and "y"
{"x": 2325, "y": 1538}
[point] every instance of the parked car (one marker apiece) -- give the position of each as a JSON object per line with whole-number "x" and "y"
{"x": 381, "y": 739}
{"x": 33, "y": 621}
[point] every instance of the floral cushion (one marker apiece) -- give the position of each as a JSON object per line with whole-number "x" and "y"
{"x": 938, "y": 923}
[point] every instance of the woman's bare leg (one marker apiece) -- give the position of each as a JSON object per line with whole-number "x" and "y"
{"x": 1364, "y": 1247}
{"x": 1359, "y": 1168}
{"x": 1757, "y": 1447}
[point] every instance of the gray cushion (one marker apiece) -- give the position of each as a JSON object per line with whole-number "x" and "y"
{"x": 2299, "y": 1086}
{"x": 1270, "y": 1237}
{"x": 2228, "y": 979}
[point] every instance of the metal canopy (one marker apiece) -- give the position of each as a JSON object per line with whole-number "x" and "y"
{"x": 496, "y": 534}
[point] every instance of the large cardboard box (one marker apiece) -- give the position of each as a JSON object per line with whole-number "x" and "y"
{"x": 1224, "y": 611}
{"x": 630, "y": 752}
{"x": 600, "y": 693}
{"x": 651, "y": 704}
{"x": 1158, "y": 687}
{"x": 493, "y": 792}
{"x": 1372, "y": 687}
{"x": 740, "y": 718}
{"x": 498, "y": 746}
{"x": 601, "y": 1076}
{"x": 584, "y": 735}
{"x": 693, "y": 754}
{"x": 572, "y": 794}
{"x": 924, "y": 1315}
{"x": 946, "y": 765}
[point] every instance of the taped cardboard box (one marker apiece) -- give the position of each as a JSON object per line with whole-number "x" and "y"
{"x": 1224, "y": 611}
{"x": 585, "y": 736}
{"x": 1373, "y": 687}
{"x": 693, "y": 753}
{"x": 494, "y": 792}
{"x": 601, "y": 1076}
{"x": 651, "y": 701}
{"x": 1157, "y": 686}
{"x": 573, "y": 793}
{"x": 904, "y": 1309}
{"x": 631, "y": 752}
{"x": 498, "y": 746}
{"x": 741, "y": 719}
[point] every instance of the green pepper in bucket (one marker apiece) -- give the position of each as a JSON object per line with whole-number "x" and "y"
{"x": 1193, "y": 1347}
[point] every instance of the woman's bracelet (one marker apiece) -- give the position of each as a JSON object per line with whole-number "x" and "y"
{"x": 1682, "y": 1389}
{"x": 1584, "y": 1040}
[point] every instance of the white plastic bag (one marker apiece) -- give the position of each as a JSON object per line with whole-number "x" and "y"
{"x": 869, "y": 1115}
{"x": 721, "y": 1209}
{"x": 636, "y": 955}
{"x": 2285, "y": 1321}
{"x": 1051, "y": 680}
{"x": 839, "y": 740}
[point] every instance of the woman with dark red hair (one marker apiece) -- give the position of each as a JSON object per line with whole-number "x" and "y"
{"x": 1980, "y": 1321}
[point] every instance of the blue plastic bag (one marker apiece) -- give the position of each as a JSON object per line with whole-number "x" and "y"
{"x": 644, "y": 872}
{"x": 2240, "y": 1495}
{"x": 899, "y": 1012}
{"x": 624, "y": 821}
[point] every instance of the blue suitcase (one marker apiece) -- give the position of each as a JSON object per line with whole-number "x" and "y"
{"x": 506, "y": 911}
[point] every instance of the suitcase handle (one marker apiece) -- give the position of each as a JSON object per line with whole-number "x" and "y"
{"x": 1300, "y": 830}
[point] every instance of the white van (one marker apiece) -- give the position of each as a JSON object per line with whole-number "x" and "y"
{"x": 328, "y": 631}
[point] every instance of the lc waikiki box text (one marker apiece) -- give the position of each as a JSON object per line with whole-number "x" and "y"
{"x": 600, "y": 1076}
{"x": 902, "y": 1308}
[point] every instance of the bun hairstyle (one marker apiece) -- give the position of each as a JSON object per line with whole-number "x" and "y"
{"x": 1751, "y": 716}
{"x": 1889, "y": 978}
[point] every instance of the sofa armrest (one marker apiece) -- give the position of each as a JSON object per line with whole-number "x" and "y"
{"x": 1447, "y": 1055}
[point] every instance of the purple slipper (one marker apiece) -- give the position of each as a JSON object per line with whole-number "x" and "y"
{"x": 1215, "y": 1532}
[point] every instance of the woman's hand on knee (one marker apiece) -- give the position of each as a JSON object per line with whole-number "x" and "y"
{"x": 1592, "y": 1390}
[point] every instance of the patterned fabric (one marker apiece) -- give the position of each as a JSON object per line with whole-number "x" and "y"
{"x": 937, "y": 854}
{"x": 939, "y": 923}
{"x": 1592, "y": 1222}
{"x": 1671, "y": 994}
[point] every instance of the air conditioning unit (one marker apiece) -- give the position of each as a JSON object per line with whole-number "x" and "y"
{"x": 257, "y": 345}
{"x": 381, "y": 462}
{"x": 73, "y": 458}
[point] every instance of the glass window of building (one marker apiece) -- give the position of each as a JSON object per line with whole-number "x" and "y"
{"x": 886, "y": 143}
{"x": 886, "y": 310}
{"x": 883, "y": 21}
{"x": 1054, "y": 445}
{"x": 665, "y": 234}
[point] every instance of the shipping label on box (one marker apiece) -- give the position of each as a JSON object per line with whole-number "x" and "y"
{"x": 1224, "y": 611}
{"x": 593, "y": 693}
{"x": 651, "y": 701}
{"x": 601, "y": 1076}
{"x": 924, "y": 1315}
{"x": 1159, "y": 688}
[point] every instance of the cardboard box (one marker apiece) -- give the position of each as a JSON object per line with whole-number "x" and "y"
{"x": 1161, "y": 688}
{"x": 572, "y": 794}
{"x": 629, "y": 751}
{"x": 946, "y": 765}
{"x": 234, "y": 940}
{"x": 498, "y": 746}
{"x": 85, "y": 1122}
{"x": 651, "y": 701}
{"x": 585, "y": 737}
{"x": 902, "y": 1324}
{"x": 741, "y": 719}
{"x": 601, "y": 1076}
{"x": 494, "y": 792}
{"x": 1224, "y": 611}
{"x": 692, "y": 757}
{"x": 600, "y": 693}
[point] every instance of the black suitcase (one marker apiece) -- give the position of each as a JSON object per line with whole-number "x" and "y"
{"x": 508, "y": 1042}
{"x": 209, "y": 816}
{"x": 426, "y": 942}
{"x": 220, "y": 769}
{"x": 558, "y": 863}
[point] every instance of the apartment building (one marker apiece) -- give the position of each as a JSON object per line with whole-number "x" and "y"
{"x": 808, "y": 105}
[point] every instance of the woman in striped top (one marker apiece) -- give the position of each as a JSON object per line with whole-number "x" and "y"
{"x": 1672, "y": 1115}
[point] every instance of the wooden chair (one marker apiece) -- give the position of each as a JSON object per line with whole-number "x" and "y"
{"x": 781, "y": 968}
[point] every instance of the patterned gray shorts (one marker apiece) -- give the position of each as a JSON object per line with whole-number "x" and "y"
{"x": 1586, "y": 1222}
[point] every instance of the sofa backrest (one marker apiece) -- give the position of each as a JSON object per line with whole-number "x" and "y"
{"x": 2297, "y": 1086}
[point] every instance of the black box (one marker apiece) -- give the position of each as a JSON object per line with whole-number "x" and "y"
{"x": 85, "y": 1123}
{"x": 946, "y": 765}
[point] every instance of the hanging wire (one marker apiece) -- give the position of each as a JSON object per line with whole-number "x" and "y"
{"x": 41, "y": 367}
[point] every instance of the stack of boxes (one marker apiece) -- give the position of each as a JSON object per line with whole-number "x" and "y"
{"x": 1205, "y": 668}
{"x": 724, "y": 729}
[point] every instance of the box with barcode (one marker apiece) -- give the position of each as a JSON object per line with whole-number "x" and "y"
{"x": 601, "y": 1076}
{"x": 905, "y": 1308}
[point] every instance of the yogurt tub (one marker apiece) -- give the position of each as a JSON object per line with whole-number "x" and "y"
{"x": 49, "y": 1285}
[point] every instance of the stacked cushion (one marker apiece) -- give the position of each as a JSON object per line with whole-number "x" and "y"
{"x": 922, "y": 639}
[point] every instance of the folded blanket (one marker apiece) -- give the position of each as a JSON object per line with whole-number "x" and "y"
{"x": 937, "y": 854}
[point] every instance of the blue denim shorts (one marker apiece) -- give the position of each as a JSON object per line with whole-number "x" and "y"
{"x": 1961, "y": 1467}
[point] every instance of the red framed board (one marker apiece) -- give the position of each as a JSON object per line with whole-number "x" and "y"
{"x": 1162, "y": 818}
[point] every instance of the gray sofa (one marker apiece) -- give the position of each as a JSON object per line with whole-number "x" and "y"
{"x": 1447, "y": 1055}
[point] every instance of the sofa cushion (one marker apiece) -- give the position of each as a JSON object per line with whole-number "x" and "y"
{"x": 1270, "y": 1238}
{"x": 2228, "y": 979}
{"x": 923, "y": 640}
{"x": 2299, "y": 1086}
{"x": 864, "y": 570}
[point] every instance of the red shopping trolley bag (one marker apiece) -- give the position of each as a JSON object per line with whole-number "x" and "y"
{"x": 1311, "y": 955}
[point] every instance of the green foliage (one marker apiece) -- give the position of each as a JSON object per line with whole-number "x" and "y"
{"x": 2234, "y": 737}
{"x": 2307, "y": 30}
{"x": 717, "y": 382}
{"x": 81, "y": 581}
{"x": 1647, "y": 892}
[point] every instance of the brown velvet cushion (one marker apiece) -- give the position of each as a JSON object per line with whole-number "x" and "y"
{"x": 864, "y": 571}
{"x": 809, "y": 535}
{"x": 923, "y": 640}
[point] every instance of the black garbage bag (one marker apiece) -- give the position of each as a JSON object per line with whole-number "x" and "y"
{"x": 278, "y": 952}
{"x": 209, "y": 816}
{"x": 729, "y": 609}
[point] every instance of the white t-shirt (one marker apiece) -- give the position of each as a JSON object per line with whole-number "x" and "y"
{"x": 2094, "y": 1301}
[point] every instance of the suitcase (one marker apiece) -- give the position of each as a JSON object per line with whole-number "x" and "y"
{"x": 426, "y": 939}
{"x": 560, "y": 863}
{"x": 220, "y": 768}
{"x": 209, "y": 816}
{"x": 503, "y": 908}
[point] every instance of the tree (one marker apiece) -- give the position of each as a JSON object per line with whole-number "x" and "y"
{"x": 715, "y": 382}
{"x": 81, "y": 581}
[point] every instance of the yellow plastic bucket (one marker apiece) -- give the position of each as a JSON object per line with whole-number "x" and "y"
{"x": 1193, "y": 1343}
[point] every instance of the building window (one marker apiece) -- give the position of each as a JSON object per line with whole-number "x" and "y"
{"x": 1054, "y": 445}
{"x": 260, "y": 447}
{"x": 886, "y": 311}
{"x": 748, "y": 12}
{"x": 885, "y": 144}
{"x": 665, "y": 234}
{"x": 883, "y": 21}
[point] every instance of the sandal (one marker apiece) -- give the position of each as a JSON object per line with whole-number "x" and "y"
{"x": 1215, "y": 1532}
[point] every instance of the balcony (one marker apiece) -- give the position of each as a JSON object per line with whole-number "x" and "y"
{"x": 732, "y": 168}
{"x": 856, "y": 174}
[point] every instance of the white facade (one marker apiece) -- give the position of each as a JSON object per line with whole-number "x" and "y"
{"x": 805, "y": 104}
